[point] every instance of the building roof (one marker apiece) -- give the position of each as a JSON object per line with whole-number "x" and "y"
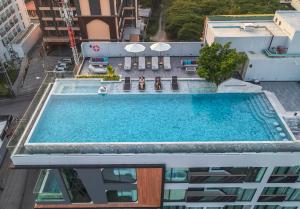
{"x": 30, "y": 5}
{"x": 291, "y": 17}
{"x": 233, "y": 29}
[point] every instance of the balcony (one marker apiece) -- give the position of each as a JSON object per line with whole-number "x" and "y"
{"x": 207, "y": 177}
{"x": 286, "y": 178}
{"x": 272, "y": 198}
{"x": 209, "y": 196}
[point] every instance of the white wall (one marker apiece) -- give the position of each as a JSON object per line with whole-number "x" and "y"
{"x": 273, "y": 69}
{"x": 28, "y": 42}
{"x": 116, "y": 49}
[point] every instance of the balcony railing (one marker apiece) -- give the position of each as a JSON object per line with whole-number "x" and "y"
{"x": 280, "y": 178}
{"x": 272, "y": 54}
{"x": 272, "y": 198}
{"x": 209, "y": 196}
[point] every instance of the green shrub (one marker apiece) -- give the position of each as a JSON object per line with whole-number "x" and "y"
{"x": 105, "y": 77}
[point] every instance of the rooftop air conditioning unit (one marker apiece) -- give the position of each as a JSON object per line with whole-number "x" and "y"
{"x": 247, "y": 27}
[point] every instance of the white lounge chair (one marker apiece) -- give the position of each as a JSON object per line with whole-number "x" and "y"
{"x": 155, "y": 63}
{"x": 142, "y": 65}
{"x": 167, "y": 63}
{"x": 190, "y": 69}
{"x": 127, "y": 64}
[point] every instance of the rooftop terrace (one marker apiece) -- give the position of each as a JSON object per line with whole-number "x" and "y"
{"x": 71, "y": 87}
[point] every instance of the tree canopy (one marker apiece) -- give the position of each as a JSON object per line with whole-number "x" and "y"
{"x": 218, "y": 62}
{"x": 185, "y": 18}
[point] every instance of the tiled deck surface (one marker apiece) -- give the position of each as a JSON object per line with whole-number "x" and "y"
{"x": 148, "y": 73}
{"x": 288, "y": 93}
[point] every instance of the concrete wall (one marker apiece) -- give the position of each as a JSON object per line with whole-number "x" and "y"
{"x": 294, "y": 44}
{"x": 116, "y": 49}
{"x": 256, "y": 44}
{"x": 24, "y": 46}
{"x": 273, "y": 69}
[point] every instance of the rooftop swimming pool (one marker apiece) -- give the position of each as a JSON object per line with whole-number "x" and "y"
{"x": 153, "y": 118}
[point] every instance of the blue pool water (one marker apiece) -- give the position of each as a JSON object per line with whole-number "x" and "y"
{"x": 158, "y": 118}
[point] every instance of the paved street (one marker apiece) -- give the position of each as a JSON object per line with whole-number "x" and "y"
{"x": 16, "y": 186}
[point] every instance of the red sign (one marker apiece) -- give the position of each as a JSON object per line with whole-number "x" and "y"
{"x": 96, "y": 48}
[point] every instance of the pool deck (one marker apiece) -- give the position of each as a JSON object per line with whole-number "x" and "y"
{"x": 116, "y": 62}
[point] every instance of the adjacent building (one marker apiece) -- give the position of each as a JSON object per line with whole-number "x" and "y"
{"x": 272, "y": 43}
{"x": 94, "y": 20}
{"x": 14, "y": 20}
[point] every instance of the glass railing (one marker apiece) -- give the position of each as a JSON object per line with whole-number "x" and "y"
{"x": 47, "y": 188}
{"x": 20, "y": 134}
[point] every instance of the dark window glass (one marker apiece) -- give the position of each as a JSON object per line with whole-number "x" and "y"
{"x": 124, "y": 175}
{"x": 121, "y": 195}
{"x": 74, "y": 186}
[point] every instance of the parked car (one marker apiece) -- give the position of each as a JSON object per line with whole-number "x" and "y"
{"x": 59, "y": 68}
{"x": 67, "y": 60}
{"x": 97, "y": 69}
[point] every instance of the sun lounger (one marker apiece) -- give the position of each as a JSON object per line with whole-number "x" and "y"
{"x": 127, "y": 84}
{"x": 167, "y": 63}
{"x": 190, "y": 69}
{"x": 142, "y": 64}
{"x": 155, "y": 63}
{"x": 127, "y": 64}
{"x": 174, "y": 83}
{"x": 157, "y": 84}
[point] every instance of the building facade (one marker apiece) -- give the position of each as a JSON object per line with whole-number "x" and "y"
{"x": 270, "y": 42}
{"x": 177, "y": 175}
{"x": 94, "y": 20}
{"x": 14, "y": 20}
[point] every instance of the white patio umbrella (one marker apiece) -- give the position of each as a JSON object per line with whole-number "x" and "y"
{"x": 135, "y": 48}
{"x": 160, "y": 47}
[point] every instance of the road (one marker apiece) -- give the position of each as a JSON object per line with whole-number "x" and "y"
{"x": 161, "y": 35}
{"x": 16, "y": 185}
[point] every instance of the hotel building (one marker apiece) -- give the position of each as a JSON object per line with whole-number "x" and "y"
{"x": 94, "y": 20}
{"x": 162, "y": 159}
{"x": 271, "y": 42}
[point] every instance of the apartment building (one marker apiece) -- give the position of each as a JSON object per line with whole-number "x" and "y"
{"x": 14, "y": 20}
{"x": 94, "y": 20}
{"x": 158, "y": 150}
{"x": 271, "y": 42}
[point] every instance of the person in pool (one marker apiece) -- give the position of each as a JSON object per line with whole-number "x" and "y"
{"x": 157, "y": 84}
{"x": 142, "y": 83}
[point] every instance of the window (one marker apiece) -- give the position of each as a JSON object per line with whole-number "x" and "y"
{"x": 273, "y": 207}
{"x": 123, "y": 175}
{"x": 242, "y": 194}
{"x": 285, "y": 175}
{"x": 271, "y": 194}
{"x": 176, "y": 175}
{"x": 47, "y": 188}
{"x": 74, "y": 186}
{"x": 122, "y": 195}
{"x": 174, "y": 195}
{"x": 226, "y": 175}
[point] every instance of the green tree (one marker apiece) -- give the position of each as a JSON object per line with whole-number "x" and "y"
{"x": 218, "y": 62}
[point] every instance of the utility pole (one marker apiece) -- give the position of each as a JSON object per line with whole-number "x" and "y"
{"x": 3, "y": 70}
{"x": 66, "y": 14}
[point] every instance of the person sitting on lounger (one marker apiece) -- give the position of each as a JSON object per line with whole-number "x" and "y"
{"x": 157, "y": 84}
{"x": 142, "y": 83}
